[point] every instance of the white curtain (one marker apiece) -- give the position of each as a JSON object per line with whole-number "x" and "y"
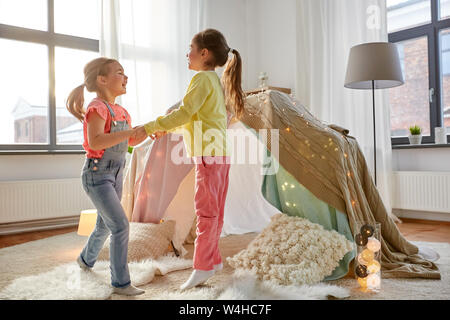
{"x": 325, "y": 32}
{"x": 150, "y": 38}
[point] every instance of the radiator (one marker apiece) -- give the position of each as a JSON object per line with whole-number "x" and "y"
{"x": 421, "y": 191}
{"x": 22, "y": 201}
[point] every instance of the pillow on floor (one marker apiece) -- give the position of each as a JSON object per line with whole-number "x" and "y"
{"x": 146, "y": 241}
{"x": 292, "y": 250}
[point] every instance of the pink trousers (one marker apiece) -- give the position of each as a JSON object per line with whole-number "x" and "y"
{"x": 211, "y": 186}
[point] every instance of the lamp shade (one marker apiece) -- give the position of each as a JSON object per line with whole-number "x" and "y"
{"x": 88, "y": 218}
{"x": 375, "y": 61}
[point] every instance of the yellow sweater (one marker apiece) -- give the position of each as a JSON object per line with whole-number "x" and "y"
{"x": 201, "y": 117}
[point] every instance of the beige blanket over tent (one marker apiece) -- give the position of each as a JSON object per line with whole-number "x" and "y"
{"x": 329, "y": 163}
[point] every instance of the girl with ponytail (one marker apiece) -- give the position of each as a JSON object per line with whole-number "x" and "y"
{"x": 107, "y": 134}
{"x": 203, "y": 118}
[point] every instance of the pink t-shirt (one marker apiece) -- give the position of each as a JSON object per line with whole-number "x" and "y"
{"x": 100, "y": 107}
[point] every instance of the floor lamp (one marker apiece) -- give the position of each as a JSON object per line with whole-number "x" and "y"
{"x": 374, "y": 65}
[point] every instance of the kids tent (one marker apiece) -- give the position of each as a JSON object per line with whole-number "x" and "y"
{"x": 307, "y": 169}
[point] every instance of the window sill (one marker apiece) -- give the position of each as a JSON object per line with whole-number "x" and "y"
{"x": 420, "y": 146}
{"x": 39, "y": 152}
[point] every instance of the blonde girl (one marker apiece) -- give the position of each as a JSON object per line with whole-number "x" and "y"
{"x": 107, "y": 134}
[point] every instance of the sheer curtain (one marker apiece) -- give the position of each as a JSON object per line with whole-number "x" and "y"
{"x": 150, "y": 38}
{"x": 325, "y": 32}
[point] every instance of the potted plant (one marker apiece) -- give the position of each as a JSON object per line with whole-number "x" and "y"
{"x": 416, "y": 135}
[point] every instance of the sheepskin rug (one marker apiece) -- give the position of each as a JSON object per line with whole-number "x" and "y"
{"x": 246, "y": 286}
{"x": 46, "y": 269}
{"x": 292, "y": 251}
{"x": 69, "y": 282}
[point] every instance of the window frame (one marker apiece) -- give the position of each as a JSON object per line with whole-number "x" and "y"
{"x": 51, "y": 40}
{"x": 431, "y": 30}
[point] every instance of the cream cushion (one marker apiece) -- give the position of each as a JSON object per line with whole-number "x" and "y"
{"x": 292, "y": 250}
{"x": 146, "y": 241}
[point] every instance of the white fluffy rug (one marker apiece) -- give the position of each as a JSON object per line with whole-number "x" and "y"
{"x": 46, "y": 269}
{"x": 246, "y": 286}
{"x": 69, "y": 282}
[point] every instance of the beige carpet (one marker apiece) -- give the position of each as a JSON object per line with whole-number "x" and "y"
{"x": 42, "y": 255}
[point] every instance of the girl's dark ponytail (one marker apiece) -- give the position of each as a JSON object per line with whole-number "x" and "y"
{"x": 231, "y": 81}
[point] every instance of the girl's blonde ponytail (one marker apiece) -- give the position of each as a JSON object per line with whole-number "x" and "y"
{"x": 75, "y": 102}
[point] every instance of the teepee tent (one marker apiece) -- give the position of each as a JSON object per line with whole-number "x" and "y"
{"x": 310, "y": 170}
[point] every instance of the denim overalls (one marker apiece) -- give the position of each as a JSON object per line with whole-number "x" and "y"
{"x": 102, "y": 180}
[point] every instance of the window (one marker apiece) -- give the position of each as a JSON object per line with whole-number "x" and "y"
{"x": 34, "y": 17}
{"x": 444, "y": 37}
{"x": 421, "y": 30}
{"x": 409, "y": 102}
{"x": 27, "y": 86}
{"x": 44, "y": 49}
{"x": 404, "y": 14}
{"x": 444, "y": 9}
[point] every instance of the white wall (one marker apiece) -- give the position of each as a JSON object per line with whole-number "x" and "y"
{"x": 40, "y": 167}
{"x": 425, "y": 159}
{"x": 271, "y": 38}
{"x": 263, "y": 31}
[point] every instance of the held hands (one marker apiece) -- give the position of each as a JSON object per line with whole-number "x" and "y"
{"x": 139, "y": 134}
{"x": 159, "y": 134}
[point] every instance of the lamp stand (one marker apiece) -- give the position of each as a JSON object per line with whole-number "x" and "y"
{"x": 374, "y": 134}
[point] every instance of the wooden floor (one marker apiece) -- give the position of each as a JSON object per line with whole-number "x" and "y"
{"x": 412, "y": 229}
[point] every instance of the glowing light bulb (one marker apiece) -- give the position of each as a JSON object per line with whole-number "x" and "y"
{"x": 373, "y": 244}
{"x": 374, "y": 266}
{"x": 367, "y": 255}
{"x": 362, "y": 282}
{"x": 361, "y": 260}
{"x": 373, "y": 281}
